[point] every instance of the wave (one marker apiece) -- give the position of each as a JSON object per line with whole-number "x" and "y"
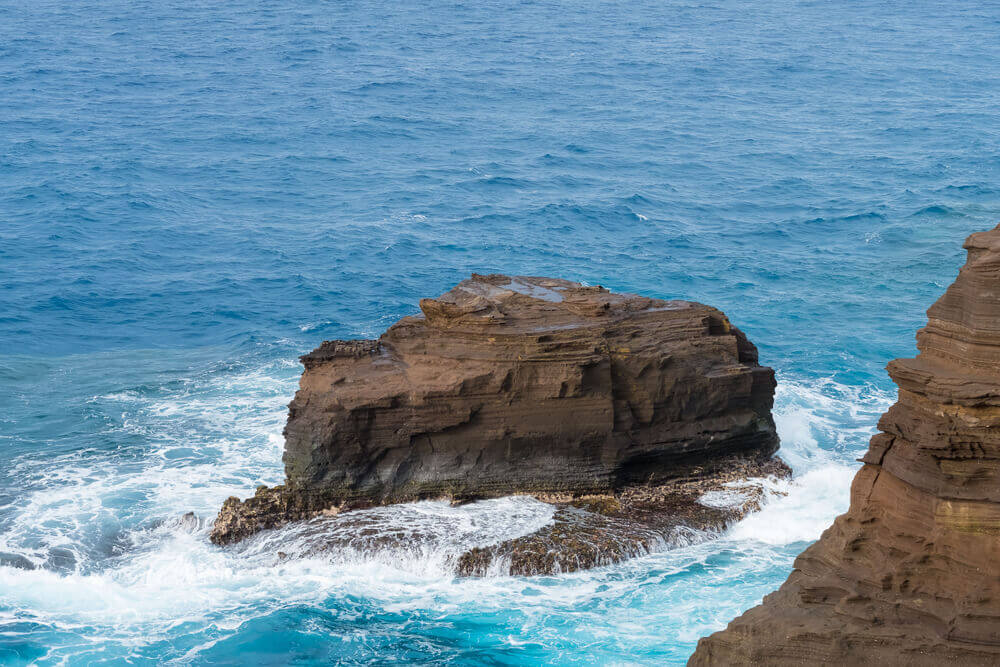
{"x": 140, "y": 572}
{"x": 824, "y": 426}
{"x": 203, "y": 439}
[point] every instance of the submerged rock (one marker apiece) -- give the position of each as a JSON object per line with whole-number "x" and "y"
{"x": 910, "y": 575}
{"x": 16, "y": 560}
{"x": 509, "y": 385}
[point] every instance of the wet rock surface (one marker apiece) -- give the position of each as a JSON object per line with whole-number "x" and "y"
{"x": 473, "y": 539}
{"x": 522, "y": 385}
{"x": 910, "y": 575}
{"x": 592, "y": 531}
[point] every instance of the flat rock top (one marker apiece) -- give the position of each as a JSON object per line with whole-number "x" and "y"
{"x": 528, "y": 304}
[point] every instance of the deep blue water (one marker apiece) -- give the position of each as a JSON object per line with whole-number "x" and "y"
{"x": 192, "y": 194}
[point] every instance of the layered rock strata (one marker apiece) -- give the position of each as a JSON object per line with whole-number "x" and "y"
{"x": 910, "y": 575}
{"x": 510, "y": 385}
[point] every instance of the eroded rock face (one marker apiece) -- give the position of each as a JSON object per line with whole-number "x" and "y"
{"x": 910, "y": 575}
{"x": 517, "y": 385}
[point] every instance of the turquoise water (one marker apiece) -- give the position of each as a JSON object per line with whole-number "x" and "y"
{"x": 192, "y": 194}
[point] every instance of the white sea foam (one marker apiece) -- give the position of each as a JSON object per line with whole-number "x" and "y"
{"x": 174, "y": 575}
{"x": 813, "y": 500}
{"x": 206, "y": 441}
{"x": 222, "y": 439}
{"x": 840, "y": 417}
{"x": 423, "y": 538}
{"x": 313, "y": 326}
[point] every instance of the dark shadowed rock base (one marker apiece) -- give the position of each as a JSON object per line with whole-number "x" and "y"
{"x": 910, "y": 575}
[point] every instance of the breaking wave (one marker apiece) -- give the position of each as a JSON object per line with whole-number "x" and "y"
{"x": 100, "y": 547}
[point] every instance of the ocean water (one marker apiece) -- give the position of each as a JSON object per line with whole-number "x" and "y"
{"x": 192, "y": 194}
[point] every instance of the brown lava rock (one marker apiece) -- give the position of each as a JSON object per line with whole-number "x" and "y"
{"x": 509, "y": 385}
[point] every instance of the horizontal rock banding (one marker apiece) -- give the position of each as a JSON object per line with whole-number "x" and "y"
{"x": 517, "y": 385}
{"x": 910, "y": 575}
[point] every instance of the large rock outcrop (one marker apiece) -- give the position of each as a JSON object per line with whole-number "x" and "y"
{"x": 510, "y": 385}
{"x": 910, "y": 575}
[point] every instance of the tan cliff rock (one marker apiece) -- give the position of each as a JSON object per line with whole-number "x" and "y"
{"x": 910, "y": 575}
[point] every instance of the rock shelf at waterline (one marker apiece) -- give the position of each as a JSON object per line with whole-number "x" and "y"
{"x": 633, "y": 416}
{"x": 910, "y": 575}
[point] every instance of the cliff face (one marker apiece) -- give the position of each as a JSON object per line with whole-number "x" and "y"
{"x": 517, "y": 385}
{"x": 910, "y": 575}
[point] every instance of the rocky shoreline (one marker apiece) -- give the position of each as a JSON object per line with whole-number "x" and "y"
{"x": 620, "y": 410}
{"x": 909, "y": 575}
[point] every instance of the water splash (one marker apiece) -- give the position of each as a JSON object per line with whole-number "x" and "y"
{"x": 162, "y": 577}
